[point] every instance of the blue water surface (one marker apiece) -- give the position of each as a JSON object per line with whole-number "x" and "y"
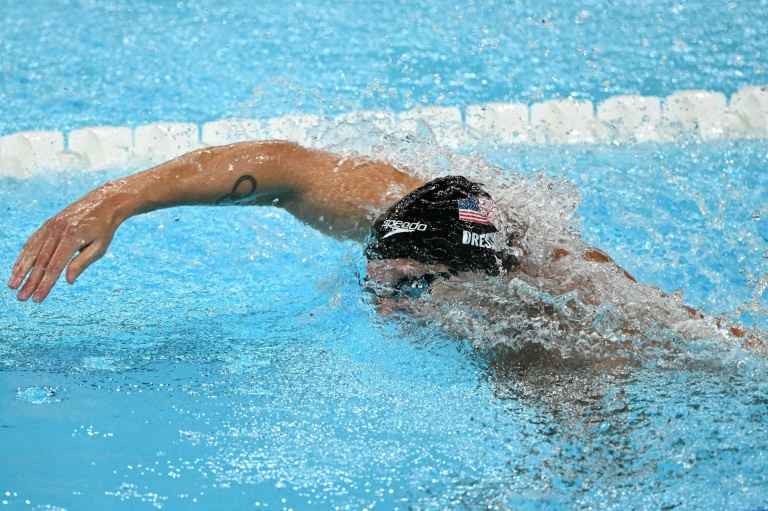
{"x": 230, "y": 355}
{"x": 77, "y": 63}
{"x": 229, "y": 358}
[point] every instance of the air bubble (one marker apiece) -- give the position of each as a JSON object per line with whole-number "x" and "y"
{"x": 755, "y": 214}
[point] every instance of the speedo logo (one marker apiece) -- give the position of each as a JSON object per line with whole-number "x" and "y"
{"x": 492, "y": 240}
{"x": 398, "y": 226}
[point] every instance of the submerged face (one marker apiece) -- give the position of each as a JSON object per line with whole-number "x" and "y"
{"x": 389, "y": 272}
{"x": 396, "y": 282}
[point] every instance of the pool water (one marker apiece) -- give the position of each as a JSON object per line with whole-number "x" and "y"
{"x": 230, "y": 357}
{"x": 119, "y": 62}
{"x": 692, "y": 217}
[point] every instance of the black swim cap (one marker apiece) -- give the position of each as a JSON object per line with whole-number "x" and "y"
{"x": 450, "y": 221}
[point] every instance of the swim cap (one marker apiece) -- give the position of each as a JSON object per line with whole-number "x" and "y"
{"x": 450, "y": 221}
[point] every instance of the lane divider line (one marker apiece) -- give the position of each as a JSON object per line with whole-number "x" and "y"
{"x": 624, "y": 119}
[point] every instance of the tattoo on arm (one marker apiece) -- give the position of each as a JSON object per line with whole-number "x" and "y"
{"x": 244, "y": 187}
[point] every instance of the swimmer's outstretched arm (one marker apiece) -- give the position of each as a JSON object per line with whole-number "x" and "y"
{"x": 334, "y": 194}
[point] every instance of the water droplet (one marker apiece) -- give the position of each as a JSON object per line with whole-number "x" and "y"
{"x": 755, "y": 214}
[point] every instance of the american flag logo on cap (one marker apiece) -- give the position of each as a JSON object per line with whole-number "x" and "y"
{"x": 479, "y": 210}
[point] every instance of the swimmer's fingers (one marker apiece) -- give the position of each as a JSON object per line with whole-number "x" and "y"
{"x": 61, "y": 257}
{"x": 27, "y": 258}
{"x": 71, "y": 242}
{"x": 38, "y": 267}
{"x": 85, "y": 258}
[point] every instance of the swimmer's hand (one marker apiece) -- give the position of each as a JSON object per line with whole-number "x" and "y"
{"x": 85, "y": 226}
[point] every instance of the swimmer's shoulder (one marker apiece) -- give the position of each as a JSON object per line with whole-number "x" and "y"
{"x": 358, "y": 174}
{"x": 340, "y": 194}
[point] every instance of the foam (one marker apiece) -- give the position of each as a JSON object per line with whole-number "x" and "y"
{"x": 683, "y": 115}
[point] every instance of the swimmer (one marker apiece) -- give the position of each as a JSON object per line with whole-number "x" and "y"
{"x": 421, "y": 235}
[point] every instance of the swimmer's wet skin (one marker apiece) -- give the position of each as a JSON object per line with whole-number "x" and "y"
{"x": 424, "y": 231}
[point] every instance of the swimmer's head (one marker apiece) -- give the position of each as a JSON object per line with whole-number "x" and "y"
{"x": 449, "y": 222}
